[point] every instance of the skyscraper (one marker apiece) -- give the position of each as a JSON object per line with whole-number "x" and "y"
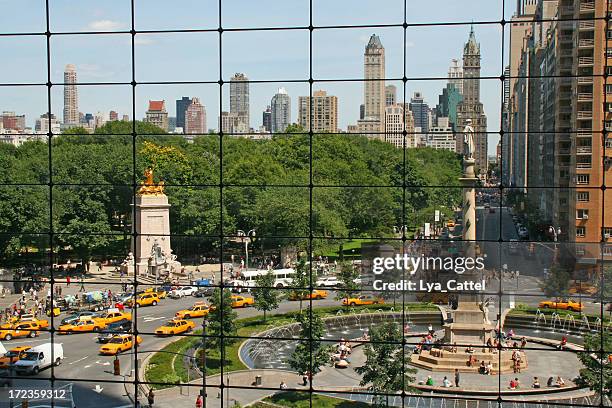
{"x": 181, "y": 108}
{"x": 447, "y": 104}
{"x": 113, "y": 115}
{"x": 71, "y": 101}
{"x": 267, "y": 119}
{"x": 239, "y": 99}
{"x": 374, "y": 87}
{"x": 324, "y": 112}
{"x": 281, "y": 111}
{"x": 471, "y": 107}
{"x": 195, "y": 118}
{"x": 390, "y": 95}
{"x": 455, "y": 75}
{"x": 157, "y": 114}
{"x": 397, "y": 119}
{"x": 420, "y": 111}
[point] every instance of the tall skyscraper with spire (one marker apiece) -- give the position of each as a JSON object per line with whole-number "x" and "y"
{"x": 374, "y": 87}
{"x": 471, "y": 107}
{"x": 71, "y": 100}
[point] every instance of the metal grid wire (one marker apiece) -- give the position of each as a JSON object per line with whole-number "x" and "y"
{"x": 403, "y": 399}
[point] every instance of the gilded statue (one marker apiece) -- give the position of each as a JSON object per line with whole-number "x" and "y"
{"x": 148, "y": 186}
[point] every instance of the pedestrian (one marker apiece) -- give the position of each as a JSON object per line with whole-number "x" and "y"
{"x": 457, "y": 377}
{"x": 67, "y": 280}
{"x": 304, "y": 380}
{"x": 151, "y": 398}
{"x": 199, "y": 401}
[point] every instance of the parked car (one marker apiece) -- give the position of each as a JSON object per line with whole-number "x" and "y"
{"x": 40, "y": 357}
{"x": 120, "y": 327}
{"x": 182, "y": 291}
{"x": 328, "y": 281}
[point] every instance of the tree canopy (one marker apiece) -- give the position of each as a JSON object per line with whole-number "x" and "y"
{"x": 265, "y": 186}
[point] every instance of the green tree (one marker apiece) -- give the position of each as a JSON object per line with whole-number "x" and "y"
{"x": 310, "y": 353}
{"x": 597, "y": 376}
{"x": 266, "y": 296}
{"x": 557, "y": 282}
{"x": 386, "y": 369}
{"x": 300, "y": 282}
{"x": 346, "y": 276}
{"x": 221, "y": 319}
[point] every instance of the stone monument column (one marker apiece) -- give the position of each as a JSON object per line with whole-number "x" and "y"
{"x": 151, "y": 223}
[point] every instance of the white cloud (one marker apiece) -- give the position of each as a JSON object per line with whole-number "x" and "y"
{"x": 105, "y": 25}
{"x": 142, "y": 40}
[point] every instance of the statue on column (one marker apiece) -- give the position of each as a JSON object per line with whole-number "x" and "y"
{"x": 468, "y": 140}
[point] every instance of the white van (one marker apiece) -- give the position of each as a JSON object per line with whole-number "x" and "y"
{"x": 39, "y": 357}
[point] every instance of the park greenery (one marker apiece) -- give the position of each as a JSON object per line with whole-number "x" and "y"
{"x": 595, "y": 375}
{"x": 266, "y": 296}
{"x": 89, "y": 180}
{"x": 386, "y": 371}
{"x": 310, "y": 353}
{"x": 347, "y": 275}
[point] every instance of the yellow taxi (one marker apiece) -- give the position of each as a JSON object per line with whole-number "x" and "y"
{"x": 144, "y": 299}
{"x": 19, "y": 329}
{"x": 200, "y": 309}
{"x": 315, "y": 294}
{"x": 582, "y": 288}
{"x": 242, "y": 301}
{"x": 564, "y": 304}
{"x": 112, "y": 317}
{"x": 119, "y": 343}
{"x": 56, "y": 312}
{"x": 362, "y": 300}
{"x": 13, "y": 355}
{"x": 158, "y": 291}
{"x": 450, "y": 223}
{"x": 176, "y": 326}
{"x": 86, "y": 325}
{"x": 41, "y": 323}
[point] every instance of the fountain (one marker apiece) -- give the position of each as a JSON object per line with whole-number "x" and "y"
{"x": 585, "y": 323}
{"x": 569, "y": 320}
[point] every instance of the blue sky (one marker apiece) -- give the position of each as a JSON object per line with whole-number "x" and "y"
{"x": 261, "y": 55}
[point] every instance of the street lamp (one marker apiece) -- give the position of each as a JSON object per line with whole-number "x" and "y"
{"x": 246, "y": 238}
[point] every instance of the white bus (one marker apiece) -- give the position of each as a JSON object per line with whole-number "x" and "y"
{"x": 282, "y": 279}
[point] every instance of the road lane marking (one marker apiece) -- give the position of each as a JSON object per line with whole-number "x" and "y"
{"x": 80, "y": 359}
{"x": 152, "y": 319}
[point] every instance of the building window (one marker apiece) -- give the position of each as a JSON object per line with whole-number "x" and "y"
{"x": 582, "y": 196}
{"x": 580, "y": 232}
{"x": 582, "y": 214}
{"x": 607, "y": 232}
{"x": 609, "y": 143}
{"x": 607, "y": 250}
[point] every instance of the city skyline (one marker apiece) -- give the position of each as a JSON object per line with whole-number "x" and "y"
{"x": 294, "y": 109}
{"x": 429, "y": 52}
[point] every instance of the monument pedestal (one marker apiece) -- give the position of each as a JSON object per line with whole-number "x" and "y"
{"x": 469, "y": 326}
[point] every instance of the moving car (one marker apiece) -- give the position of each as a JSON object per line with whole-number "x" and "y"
{"x": 121, "y": 299}
{"x": 200, "y": 309}
{"x": 119, "y": 343}
{"x": 114, "y": 316}
{"x": 176, "y": 326}
{"x": 19, "y": 329}
{"x": 39, "y": 358}
{"x": 77, "y": 316}
{"x": 13, "y": 355}
{"x": 42, "y": 323}
{"x": 83, "y": 325}
{"x": 328, "y": 281}
{"x": 513, "y": 247}
{"x": 315, "y": 294}
{"x": 363, "y": 300}
{"x": 182, "y": 291}
{"x": 204, "y": 291}
{"x": 161, "y": 293}
{"x": 564, "y": 304}
{"x": 144, "y": 299}
{"x": 242, "y": 301}
{"x": 113, "y": 329}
